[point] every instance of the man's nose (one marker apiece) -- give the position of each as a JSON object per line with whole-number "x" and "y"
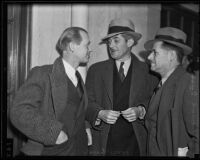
{"x": 111, "y": 44}
{"x": 150, "y": 56}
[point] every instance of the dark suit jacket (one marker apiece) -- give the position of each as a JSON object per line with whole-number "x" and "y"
{"x": 99, "y": 84}
{"x": 38, "y": 105}
{"x": 178, "y": 114}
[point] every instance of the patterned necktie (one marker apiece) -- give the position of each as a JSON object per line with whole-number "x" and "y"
{"x": 79, "y": 86}
{"x": 158, "y": 87}
{"x": 121, "y": 71}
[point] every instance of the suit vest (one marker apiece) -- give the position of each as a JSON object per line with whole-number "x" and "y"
{"x": 76, "y": 145}
{"x": 121, "y": 138}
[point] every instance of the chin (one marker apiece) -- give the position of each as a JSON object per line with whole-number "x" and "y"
{"x": 153, "y": 68}
{"x": 114, "y": 57}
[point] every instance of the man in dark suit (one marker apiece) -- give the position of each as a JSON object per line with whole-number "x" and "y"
{"x": 49, "y": 108}
{"x": 118, "y": 89}
{"x": 172, "y": 118}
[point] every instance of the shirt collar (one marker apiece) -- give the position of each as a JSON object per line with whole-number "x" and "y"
{"x": 126, "y": 63}
{"x": 70, "y": 71}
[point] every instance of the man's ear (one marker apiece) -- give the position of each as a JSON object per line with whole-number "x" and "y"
{"x": 72, "y": 46}
{"x": 173, "y": 55}
{"x": 130, "y": 42}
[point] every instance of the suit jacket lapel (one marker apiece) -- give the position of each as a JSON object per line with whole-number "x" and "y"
{"x": 168, "y": 94}
{"x": 107, "y": 76}
{"x": 58, "y": 81}
{"x": 137, "y": 79}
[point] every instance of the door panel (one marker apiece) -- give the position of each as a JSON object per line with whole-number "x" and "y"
{"x": 18, "y": 62}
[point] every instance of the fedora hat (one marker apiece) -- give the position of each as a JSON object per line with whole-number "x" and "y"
{"x": 170, "y": 35}
{"x": 119, "y": 26}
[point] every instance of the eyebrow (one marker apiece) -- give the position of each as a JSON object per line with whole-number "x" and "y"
{"x": 113, "y": 38}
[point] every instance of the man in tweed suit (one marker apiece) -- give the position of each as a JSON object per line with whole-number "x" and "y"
{"x": 172, "y": 119}
{"x": 49, "y": 108}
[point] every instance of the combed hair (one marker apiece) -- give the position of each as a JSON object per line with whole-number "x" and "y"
{"x": 71, "y": 34}
{"x": 178, "y": 50}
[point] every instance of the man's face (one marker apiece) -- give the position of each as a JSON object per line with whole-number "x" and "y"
{"x": 82, "y": 50}
{"x": 118, "y": 47}
{"x": 159, "y": 59}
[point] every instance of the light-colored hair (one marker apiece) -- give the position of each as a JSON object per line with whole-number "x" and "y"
{"x": 71, "y": 34}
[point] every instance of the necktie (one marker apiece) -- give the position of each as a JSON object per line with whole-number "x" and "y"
{"x": 121, "y": 71}
{"x": 79, "y": 86}
{"x": 158, "y": 87}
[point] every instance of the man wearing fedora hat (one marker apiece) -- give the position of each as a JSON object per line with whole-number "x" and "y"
{"x": 118, "y": 89}
{"x": 172, "y": 118}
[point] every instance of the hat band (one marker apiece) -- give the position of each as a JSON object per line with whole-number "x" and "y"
{"x": 169, "y": 38}
{"x": 116, "y": 29}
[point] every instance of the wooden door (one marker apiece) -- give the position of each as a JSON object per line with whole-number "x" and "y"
{"x": 18, "y": 64}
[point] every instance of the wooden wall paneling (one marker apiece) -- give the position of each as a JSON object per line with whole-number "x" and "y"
{"x": 18, "y": 46}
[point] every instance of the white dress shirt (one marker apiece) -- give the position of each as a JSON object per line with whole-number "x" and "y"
{"x": 70, "y": 71}
{"x": 126, "y": 65}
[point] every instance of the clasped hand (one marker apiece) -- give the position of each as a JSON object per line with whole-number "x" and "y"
{"x": 110, "y": 116}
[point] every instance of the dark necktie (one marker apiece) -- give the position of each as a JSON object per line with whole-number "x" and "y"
{"x": 121, "y": 71}
{"x": 158, "y": 87}
{"x": 79, "y": 86}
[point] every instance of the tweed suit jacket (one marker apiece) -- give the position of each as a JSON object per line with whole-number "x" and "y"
{"x": 99, "y": 85}
{"x": 178, "y": 114}
{"x": 38, "y": 105}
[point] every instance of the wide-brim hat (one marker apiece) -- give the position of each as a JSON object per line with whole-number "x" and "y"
{"x": 121, "y": 26}
{"x": 170, "y": 35}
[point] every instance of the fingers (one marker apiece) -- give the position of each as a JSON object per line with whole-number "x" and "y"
{"x": 112, "y": 117}
{"x": 130, "y": 114}
{"x": 109, "y": 116}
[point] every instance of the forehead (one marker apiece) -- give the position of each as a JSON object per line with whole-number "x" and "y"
{"x": 118, "y": 36}
{"x": 84, "y": 36}
{"x": 157, "y": 44}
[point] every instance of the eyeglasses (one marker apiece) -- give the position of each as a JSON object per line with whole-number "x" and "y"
{"x": 155, "y": 53}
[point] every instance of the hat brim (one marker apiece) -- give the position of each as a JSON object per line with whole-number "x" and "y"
{"x": 186, "y": 49}
{"x": 135, "y": 35}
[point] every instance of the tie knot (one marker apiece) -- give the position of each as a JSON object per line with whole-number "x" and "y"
{"x": 158, "y": 86}
{"x": 121, "y": 64}
{"x": 78, "y": 75}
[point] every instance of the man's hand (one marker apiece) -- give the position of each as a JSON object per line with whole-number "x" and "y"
{"x": 109, "y": 116}
{"x": 131, "y": 114}
{"x": 62, "y": 137}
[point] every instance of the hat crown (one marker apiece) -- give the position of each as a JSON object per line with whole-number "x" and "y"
{"x": 122, "y": 23}
{"x": 172, "y": 32}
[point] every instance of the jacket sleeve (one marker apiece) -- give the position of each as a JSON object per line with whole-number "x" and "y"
{"x": 191, "y": 115}
{"x": 151, "y": 83}
{"x": 26, "y": 114}
{"x": 93, "y": 107}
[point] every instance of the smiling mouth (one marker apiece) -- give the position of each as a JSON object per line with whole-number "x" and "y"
{"x": 113, "y": 51}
